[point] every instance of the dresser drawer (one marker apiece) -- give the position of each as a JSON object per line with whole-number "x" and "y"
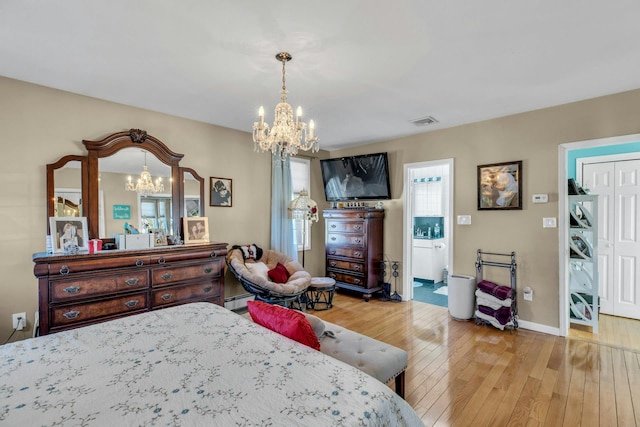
{"x": 184, "y": 293}
{"x": 337, "y": 239}
{"x": 346, "y": 252}
{"x": 171, "y": 274}
{"x": 94, "y": 285}
{"x": 345, "y": 226}
{"x": 79, "y": 313}
{"x": 347, "y": 278}
{"x": 345, "y": 265}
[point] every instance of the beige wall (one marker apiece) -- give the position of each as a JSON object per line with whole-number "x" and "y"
{"x": 39, "y": 125}
{"x": 532, "y": 137}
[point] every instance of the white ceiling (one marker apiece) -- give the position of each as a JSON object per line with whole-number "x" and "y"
{"x": 362, "y": 69}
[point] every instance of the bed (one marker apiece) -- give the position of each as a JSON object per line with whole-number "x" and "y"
{"x": 194, "y": 364}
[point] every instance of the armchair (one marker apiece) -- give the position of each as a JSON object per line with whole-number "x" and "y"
{"x": 254, "y": 277}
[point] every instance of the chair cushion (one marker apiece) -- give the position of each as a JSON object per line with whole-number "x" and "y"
{"x": 299, "y": 279}
{"x": 287, "y": 322}
{"x": 259, "y": 268}
{"x": 279, "y": 274}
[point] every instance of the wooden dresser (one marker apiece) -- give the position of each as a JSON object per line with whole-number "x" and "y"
{"x": 354, "y": 241}
{"x": 77, "y": 290}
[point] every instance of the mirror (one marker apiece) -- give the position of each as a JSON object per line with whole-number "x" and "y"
{"x": 193, "y": 185}
{"x": 145, "y": 211}
{"x": 94, "y": 186}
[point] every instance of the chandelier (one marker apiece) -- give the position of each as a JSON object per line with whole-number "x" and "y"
{"x": 145, "y": 185}
{"x": 287, "y": 135}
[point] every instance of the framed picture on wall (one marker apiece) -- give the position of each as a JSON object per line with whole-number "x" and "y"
{"x": 69, "y": 233}
{"x": 196, "y": 229}
{"x": 500, "y": 186}
{"x": 220, "y": 192}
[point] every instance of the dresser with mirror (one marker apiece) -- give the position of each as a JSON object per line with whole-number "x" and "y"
{"x": 78, "y": 288}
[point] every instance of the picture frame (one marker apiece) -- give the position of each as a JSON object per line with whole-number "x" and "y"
{"x": 220, "y": 193}
{"x": 159, "y": 237}
{"x": 500, "y": 186}
{"x": 69, "y": 233}
{"x": 196, "y": 229}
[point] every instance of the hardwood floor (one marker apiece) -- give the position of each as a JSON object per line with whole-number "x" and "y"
{"x": 463, "y": 374}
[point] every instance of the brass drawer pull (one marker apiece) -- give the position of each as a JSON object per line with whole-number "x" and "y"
{"x": 332, "y": 275}
{"x": 333, "y": 238}
{"x": 72, "y": 289}
{"x": 357, "y": 267}
{"x": 333, "y": 226}
{"x": 356, "y": 281}
{"x": 71, "y": 314}
{"x": 332, "y": 251}
{"x": 161, "y": 260}
{"x": 208, "y": 289}
{"x": 167, "y": 276}
{"x": 64, "y": 270}
{"x": 139, "y": 263}
{"x": 166, "y": 297}
{"x": 358, "y": 240}
{"x": 357, "y": 227}
{"x": 357, "y": 253}
{"x": 333, "y": 263}
{"x": 208, "y": 270}
{"x": 132, "y": 281}
{"x": 132, "y": 303}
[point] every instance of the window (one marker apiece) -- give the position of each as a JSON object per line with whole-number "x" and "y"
{"x": 301, "y": 180}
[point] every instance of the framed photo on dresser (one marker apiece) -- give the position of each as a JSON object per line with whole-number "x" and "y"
{"x": 69, "y": 233}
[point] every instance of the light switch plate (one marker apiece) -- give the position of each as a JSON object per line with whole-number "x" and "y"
{"x": 464, "y": 219}
{"x": 549, "y": 223}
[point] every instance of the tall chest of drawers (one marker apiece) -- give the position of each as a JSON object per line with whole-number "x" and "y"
{"x": 78, "y": 290}
{"x": 354, "y": 242}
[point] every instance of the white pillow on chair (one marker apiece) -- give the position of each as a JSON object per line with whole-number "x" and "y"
{"x": 258, "y": 268}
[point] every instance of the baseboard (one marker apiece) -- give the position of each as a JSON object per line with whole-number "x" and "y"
{"x": 239, "y": 302}
{"x": 537, "y": 327}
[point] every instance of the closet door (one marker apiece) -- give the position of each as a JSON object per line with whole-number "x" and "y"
{"x": 618, "y": 185}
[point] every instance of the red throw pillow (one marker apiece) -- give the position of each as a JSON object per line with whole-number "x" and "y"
{"x": 284, "y": 321}
{"x": 279, "y": 274}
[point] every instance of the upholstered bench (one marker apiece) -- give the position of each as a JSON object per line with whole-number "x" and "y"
{"x": 376, "y": 358}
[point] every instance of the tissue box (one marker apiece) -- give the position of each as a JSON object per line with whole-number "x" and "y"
{"x": 135, "y": 241}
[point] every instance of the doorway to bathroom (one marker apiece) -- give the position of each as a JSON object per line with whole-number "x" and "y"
{"x": 427, "y": 230}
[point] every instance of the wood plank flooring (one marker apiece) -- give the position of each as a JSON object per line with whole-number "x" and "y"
{"x": 463, "y": 374}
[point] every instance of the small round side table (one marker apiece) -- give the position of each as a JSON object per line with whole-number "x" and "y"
{"x": 320, "y": 293}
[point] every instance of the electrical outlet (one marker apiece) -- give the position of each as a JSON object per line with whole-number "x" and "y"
{"x": 528, "y": 294}
{"x": 22, "y": 322}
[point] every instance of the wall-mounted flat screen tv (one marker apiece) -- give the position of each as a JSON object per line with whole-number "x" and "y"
{"x": 364, "y": 177}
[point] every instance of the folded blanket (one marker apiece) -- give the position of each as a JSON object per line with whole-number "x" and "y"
{"x": 493, "y": 320}
{"x": 500, "y": 292}
{"x": 489, "y": 300}
{"x": 502, "y": 315}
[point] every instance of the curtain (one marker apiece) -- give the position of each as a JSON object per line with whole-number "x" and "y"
{"x": 282, "y": 237}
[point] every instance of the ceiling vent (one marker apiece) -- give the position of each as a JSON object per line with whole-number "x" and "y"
{"x": 425, "y": 121}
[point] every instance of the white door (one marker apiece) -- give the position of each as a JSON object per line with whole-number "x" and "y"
{"x": 618, "y": 187}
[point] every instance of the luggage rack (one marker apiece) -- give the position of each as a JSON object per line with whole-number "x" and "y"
{"x": 511, "y": 265}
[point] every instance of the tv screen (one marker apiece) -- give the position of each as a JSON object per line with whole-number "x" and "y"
{"x": 364, "y": 177}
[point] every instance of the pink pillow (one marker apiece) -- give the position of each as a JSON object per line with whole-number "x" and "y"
{"x": 279, "y": 274}
{"x": 284, "y": 321}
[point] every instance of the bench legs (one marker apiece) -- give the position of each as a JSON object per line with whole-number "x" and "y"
{"x": 400, "y": 385}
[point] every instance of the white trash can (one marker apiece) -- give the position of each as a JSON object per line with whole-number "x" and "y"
{"x": 462, "y": 298}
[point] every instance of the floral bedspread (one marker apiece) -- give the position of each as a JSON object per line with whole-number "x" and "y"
{"x": 196, "y": 364}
